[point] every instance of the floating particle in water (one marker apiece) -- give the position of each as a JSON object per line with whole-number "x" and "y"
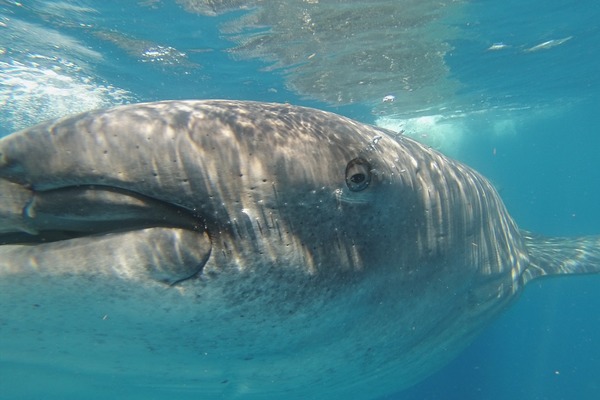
{"x": 497, "y": 46}
{"x": 548, "y": 44}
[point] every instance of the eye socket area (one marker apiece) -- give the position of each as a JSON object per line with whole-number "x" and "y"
{"x": 358, "y": 174}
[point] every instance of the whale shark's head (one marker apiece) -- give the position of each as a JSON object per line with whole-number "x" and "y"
{"x": 247, "y": 248}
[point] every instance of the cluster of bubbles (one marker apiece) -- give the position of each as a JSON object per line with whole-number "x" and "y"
{"x": 40, "y": 87}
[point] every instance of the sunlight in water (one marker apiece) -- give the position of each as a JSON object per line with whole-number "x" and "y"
{"x": 345, "y": 53}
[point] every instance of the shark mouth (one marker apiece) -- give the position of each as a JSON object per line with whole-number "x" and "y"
{"x": 142, "y": 237}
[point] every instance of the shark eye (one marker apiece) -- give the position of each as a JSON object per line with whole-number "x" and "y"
{"x": 358, "y": 174}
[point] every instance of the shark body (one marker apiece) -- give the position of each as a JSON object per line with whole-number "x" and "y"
{"x": 241, "y": 249}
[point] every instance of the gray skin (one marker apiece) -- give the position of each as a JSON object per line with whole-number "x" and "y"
{"x": 239, "y": 249}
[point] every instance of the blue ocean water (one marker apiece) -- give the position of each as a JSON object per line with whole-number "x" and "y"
{"x": 521, "y": 104}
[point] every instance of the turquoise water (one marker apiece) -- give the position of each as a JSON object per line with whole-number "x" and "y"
{"x": 511, "y": 88}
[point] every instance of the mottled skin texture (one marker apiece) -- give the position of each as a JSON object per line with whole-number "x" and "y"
{"x": 265, "y": 274}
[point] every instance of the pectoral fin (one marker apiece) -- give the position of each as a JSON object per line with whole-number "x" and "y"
{"x": 554, "y": 256}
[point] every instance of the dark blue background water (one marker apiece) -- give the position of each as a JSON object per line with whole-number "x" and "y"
{"x": 546, "y": 165}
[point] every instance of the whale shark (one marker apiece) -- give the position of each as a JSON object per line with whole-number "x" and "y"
{"x": 236, "y": 249}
